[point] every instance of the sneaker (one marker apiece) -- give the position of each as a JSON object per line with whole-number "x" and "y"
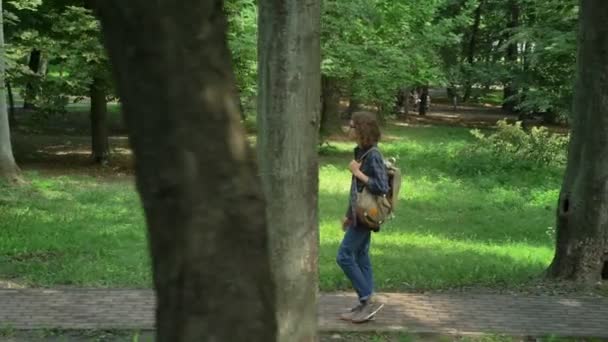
{"x": 350, "y": 314}
{"x": 367, "y": 311}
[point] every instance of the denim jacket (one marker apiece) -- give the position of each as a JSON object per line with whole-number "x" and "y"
{"x": 374, "y": 168}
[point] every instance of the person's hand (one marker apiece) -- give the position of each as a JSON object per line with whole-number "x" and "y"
{"x": 354, "y": 167}
{"x": 345, "y": 223}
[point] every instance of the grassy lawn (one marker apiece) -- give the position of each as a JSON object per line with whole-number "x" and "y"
{"x": 460, "y": 222}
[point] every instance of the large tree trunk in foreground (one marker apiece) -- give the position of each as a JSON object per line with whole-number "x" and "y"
{"x": 582, "y": 213}
{"x": 99, "y": 123}
{"x": 8, "y": 166}
{"x": 196, "y": 173}
{"x": 288, "y": 121}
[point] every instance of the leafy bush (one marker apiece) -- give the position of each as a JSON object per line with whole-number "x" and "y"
{"x": 510, "y": 143}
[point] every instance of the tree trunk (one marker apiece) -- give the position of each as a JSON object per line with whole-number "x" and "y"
{"x": 11, "y": 105}
{"x": 424, "y": 98}
{"x": 402, "y": 107}
{"x": 453, "y": 97}
{"x": 471, "y": 49}
{"x": 288, "y": 122}
{"x": 330, "y": 108}
{"x": 525, "y": 68}
{"x": 99, "y": 125}
{"x": 354, "y": 105}
{"x": 8, "y": 167}
{"x": 406, "y": 101}
{"x": 196, "y": 172}
{"x": 509, "y": 104}
{"x": 34, "y": 65}
{"x": 582, "y": 218}
{"x": 241, "y": 107}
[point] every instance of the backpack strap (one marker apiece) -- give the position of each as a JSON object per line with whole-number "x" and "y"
{"x": 367, "y": 152}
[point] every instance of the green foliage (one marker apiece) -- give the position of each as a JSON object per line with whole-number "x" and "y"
{"x": 510, "y": 146}
{"x": 242, "y": 38}
{"x": 373, "y": 48}
{"x": 542, "y": 70}
{"x": 550, "y": 56}
{"x": 377, "y": 47}
{"x": 69, "y": 38}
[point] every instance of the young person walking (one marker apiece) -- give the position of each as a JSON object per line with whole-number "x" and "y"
{"x": 368, "y": 170}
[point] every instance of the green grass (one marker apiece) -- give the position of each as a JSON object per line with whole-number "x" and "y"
{"x": 73, "y": 230}
{"x": 457, "y": 225}
{"x": 493, "y": 97}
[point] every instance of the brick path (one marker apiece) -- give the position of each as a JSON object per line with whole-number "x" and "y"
{"x": 414, "y": 313}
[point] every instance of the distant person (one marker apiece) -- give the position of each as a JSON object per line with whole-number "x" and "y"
{"x": 368, "y": 170}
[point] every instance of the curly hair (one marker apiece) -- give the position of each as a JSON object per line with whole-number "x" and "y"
{"x": 367, "y": 128}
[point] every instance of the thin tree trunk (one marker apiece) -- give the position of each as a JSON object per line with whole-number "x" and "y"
{"x": 288, "y": 123}
{"x": 525, "y": 68}
{"x": 406, "y": 101}
{"x": 11, "y": 105}
{"x": 241, "y": 107}
{"x": 402, "y": 107}
{"x": 424, "y": 98}
{"x": 99, "y": 123}
{"x": 582, "y": 218}
{"x": 196, "y": 172}
{"x": 330, "y": 109}
{"x": 34, "y": 65}
{"x": 453, "y": 97}
{"x": 8, "y": 166}
{"x": 354, "y": 104}
{"x": 471, "y": 49}
{"x": 510, "y": 89}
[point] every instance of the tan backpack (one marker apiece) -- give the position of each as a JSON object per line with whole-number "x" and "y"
{"x": 374, "y": 210}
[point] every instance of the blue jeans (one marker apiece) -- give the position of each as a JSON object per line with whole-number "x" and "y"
{"x": 353, "y": 258}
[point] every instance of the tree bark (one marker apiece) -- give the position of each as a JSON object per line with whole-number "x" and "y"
{"x": 196, "y": 172}
{"x": 354, "y": 105}
{"x": 510, "y": 89}
{"x": 582, "y": 213}
{"x": 34, "y": 65}
{"x": 471, "y": 48}
{"x": 288, "y": 121}
{"x": 12, "y": 118}
{"x": 424, "y": 98}
{"x": 402, "y": 105}
{"x": 453, "y": 97}
{"x": 330, "y": 108}
{"x": 99, "y": 123}
{"x": 8, "y": 167}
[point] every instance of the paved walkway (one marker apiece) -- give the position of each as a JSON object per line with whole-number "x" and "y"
{"x": 414, "y": 313}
